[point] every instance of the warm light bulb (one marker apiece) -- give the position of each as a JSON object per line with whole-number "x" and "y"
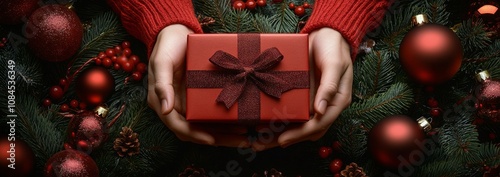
{"x": 487, "y": 9}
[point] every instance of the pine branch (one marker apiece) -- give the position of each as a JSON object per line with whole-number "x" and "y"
{"x": 459, "y": 139}
{"x": 27, "y": 69}
{"x": 472, "y": 36}
{"x": 436, "y": 10}
{"x": 215, "y": 9}
{"x": 238, "y": 21}
{"x": 284, "y": 21}
{"x": 392, "y": 31}
{"x": 490, "y": 59}
{"x": 396, "y": 100}
{"x": 262, "y": 23}
{"x": 352, "y": 137}
{"x": 374, "y": 74}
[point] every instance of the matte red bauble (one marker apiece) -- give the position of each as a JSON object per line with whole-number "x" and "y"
{"x": 95, "y": 85}
{"x": 54, "y": 33}
{"x": 488, "y": 97}
{"x": 87, "y": 130}
{"x": 393, "y": 139}
{"x": 12, "y": 12}
{"x": 71, "y": 163}
{"x": 431, "y": 53}
{"x": 16, "y": 154}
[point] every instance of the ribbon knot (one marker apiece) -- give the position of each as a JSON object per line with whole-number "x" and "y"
{"x": 258, "y": 73}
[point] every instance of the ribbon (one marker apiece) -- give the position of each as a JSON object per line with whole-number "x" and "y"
{"x": 243, "y": 77}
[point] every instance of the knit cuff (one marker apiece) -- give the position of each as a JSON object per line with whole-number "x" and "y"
{"x": 144, "y": 19}
{"x": 351, "y": 18}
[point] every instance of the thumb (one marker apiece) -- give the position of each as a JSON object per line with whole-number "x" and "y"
{"x": 328, "y": 87}
{"x": 163, "y": 72}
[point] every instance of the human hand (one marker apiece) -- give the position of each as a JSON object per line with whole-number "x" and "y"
{"x": 167, "y": 96}
{"x": 331, "y": 56}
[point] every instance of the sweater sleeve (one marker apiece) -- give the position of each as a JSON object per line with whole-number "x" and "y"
{"x": 144, "y": 19}
{"x": 352, "y": 18}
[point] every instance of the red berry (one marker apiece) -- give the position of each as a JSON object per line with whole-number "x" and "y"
{"x": 106, "y": 62}
{"x": 116, "y": 66}
{"x": 110, "y": 52}
{"x": 101, "y": 55}
{"x": 141, "y": 67}
{"x": 46, "y": 102}
{"x": 73, "y": 104}
{"x": 126, "y": 44}
{"x": 336, "y": 166}
{"x": 127, "y": 67}
{"x": 63, "y": 82}
{"x": 67, "y": 146}
{"x": 2, "y": 45}
{"x": 291, "y": 5}
{"x": 306, "y": 5}
{"x": 113, "y": 59}
{"x": 121, "y": 60}
{"x": 324, "y": 152}
{"x": 56, "y": 92}
{"x": 118, "y": 49}
{"x": 337, "y": 147}
{"x": 250, "y": 4}
{"x": 261, "y": 3}
{"x": 432, "y": 102}
{"x": 98, "y": 61}
{"x": 137, "y": 76}
{"x": 299, "y": 11}
{"x": 127, "y": 52}
{"x": 82, "y": 105}
{"x": 64, "y": 108}
{"x": 4, "y": 40}
{"x": 435, "y": 112}
{"x": 239, "y": 5}
{"x": 134, "y": 59}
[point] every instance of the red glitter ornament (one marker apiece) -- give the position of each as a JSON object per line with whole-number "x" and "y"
{"x": 392, "y": 139}
{"x": 87, "y": 130}
{"x": 488, "y": 95}
{"x": 430, "y": 53}
{"x": 95, "y": 85}
{"x": 12, "y": 12}
{"x": 70, "y": 163}
{"x": 15, "y": 152}
{"x": 54, "y": 33}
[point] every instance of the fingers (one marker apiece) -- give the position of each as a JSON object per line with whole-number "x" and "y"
{"x": 328, "y": 87}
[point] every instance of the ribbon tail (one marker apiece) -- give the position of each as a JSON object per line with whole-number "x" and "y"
{"x": 271, "y": 85}
{"x": 231, "y": 92}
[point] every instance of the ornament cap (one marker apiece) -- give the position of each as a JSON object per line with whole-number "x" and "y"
{"x": 419, "y": 20}
{"x": 101, "y": 111}
{"x": 483, "y": 76}
{"x": 425, "y": 124}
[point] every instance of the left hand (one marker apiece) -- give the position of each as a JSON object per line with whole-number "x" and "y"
{"x": 331, "y": 54}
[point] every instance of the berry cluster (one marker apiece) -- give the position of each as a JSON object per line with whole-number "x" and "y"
{"x": 121, "y": 57}
{"x": 56, "y": 93}
{"x": 3, "y": 42}
{"x": 336, "y": 164}
{"x": 299, "y": 10}
{"x": 249, "y": 4}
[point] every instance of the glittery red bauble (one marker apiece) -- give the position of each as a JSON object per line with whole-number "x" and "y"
{"x": 87, "y": 131}
{"x": 13, "y": 11}
{"x": 54, "y": 33}
{"x": 95, "y": 85}
{"x": 431, "y": 53}
{"x": 16, "y": 154}
{"x": 488, "y": 96}
{"x": 393, "y": 139}
{"x": 71, "y": 163}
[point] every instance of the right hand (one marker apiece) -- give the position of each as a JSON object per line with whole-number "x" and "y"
{"x": 167, "y": 93}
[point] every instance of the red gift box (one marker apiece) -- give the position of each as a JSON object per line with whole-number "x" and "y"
{"x": 247, "y": 78}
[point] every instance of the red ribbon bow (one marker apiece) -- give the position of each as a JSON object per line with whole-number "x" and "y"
{"x": 257, "y": 73}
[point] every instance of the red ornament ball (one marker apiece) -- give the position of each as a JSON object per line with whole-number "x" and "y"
{"x": 336, "y": 166}
{"x": 15, "y": 151}
{"x": 56, "y": 92}
{"x": 70, "y": 163}
{"x": 12, "y": 12}
{"x": 488, "y": 96}
{"x": 251, "y": 4}
{"x": 324, "y": 152}
{"x": 87, "y": 131}
{"x": 431, "y": 53}
{"x": 392, "y": 141}
{"x": 299, "y": 11}
{"x": 95, "y": 85}
{"x": 261, "y": 3}
{"x": 54, "y": 33}
{"x": 239, "y": 5}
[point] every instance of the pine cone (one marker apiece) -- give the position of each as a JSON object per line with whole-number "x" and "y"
{"x": 127, "y": 143}
{"x": 271, "y": 173}
{"x": 353, "y": 170}
{"x": 192, "y": 171}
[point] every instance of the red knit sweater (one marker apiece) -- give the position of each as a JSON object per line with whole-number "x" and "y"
{"x": 144, "y": 19}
